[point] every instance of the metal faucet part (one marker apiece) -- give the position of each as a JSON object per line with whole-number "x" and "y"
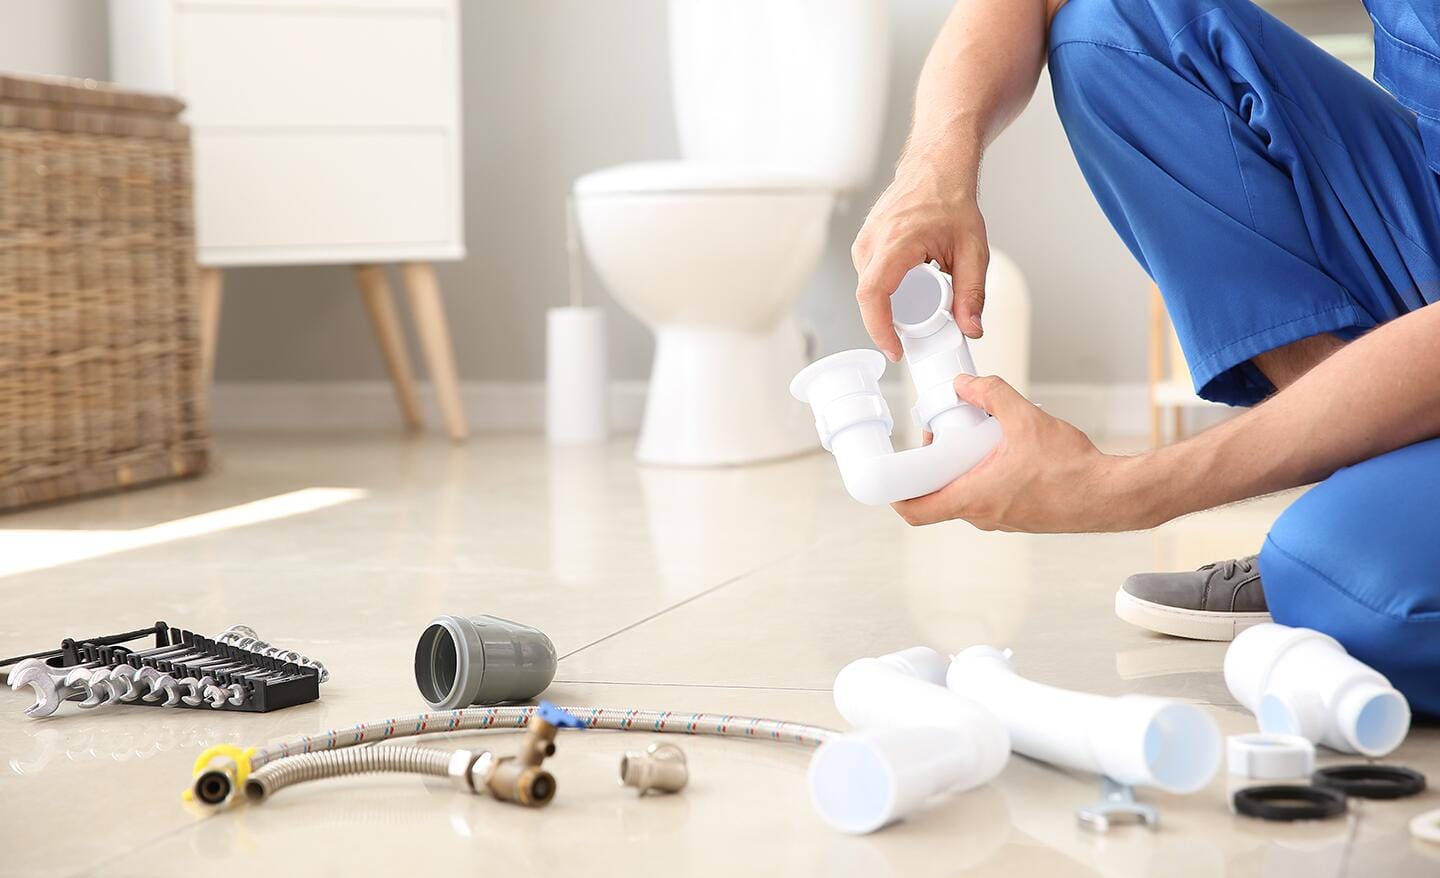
{"x": 659, "y": 767}
{"x": 1116, "y": 800}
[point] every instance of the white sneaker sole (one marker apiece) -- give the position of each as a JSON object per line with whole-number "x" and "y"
{"x": 1177, "y": 622}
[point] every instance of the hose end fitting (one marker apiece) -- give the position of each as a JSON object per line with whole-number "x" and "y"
{"x": 659, "y": 767}
{"x": 218, "y": 774}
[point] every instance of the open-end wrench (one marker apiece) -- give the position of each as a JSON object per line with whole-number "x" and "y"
{"x": 96, "y": 693}
{"x": 49, "y": 691}
{"x": 161, "y": 685}
{"x": 121, "y": 684}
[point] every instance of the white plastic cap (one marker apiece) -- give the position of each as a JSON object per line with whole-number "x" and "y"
{"x": 1269, "y": 757}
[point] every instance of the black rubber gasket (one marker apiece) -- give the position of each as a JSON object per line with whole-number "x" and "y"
{"x": 1371, "y": 781}
{"x": 1314, "y": 803}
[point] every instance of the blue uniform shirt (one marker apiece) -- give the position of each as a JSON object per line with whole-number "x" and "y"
{"x": 1407, "y": 61}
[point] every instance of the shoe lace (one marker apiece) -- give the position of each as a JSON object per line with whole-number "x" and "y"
{"x": 1229, "y": 568}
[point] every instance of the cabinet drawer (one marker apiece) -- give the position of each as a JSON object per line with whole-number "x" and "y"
{"x": 309, "y": 67}
{"x": 314, "y": 197}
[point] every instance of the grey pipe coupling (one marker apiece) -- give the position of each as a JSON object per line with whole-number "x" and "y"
{"x": 465, "y": 660}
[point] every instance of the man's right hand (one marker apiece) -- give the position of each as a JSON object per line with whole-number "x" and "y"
{"x": 928, "y": 212}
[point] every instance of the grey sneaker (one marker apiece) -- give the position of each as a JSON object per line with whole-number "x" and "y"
{"x": 1215, "y": 602}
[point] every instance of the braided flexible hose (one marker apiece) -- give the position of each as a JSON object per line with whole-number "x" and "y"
{"x": 317, "y": 766}
{"x": 723, "y": 725}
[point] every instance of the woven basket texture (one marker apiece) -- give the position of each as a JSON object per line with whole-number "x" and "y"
{"x": 99, "y": 336}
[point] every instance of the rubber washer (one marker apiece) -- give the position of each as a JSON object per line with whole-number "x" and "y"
{"x": 1371, "y": 781}
{"x": 1288, "y": 802}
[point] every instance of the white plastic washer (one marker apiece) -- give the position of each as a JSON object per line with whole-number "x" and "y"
{"x": 1266, "y": 757}
{"x": 1426, "y": 827}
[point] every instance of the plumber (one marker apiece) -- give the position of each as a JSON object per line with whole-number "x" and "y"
{"x": 1289, "y": 211}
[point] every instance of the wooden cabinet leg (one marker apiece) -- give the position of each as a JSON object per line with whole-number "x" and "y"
{"x": 429, "y": 313}
{"x": 380, "y": 305}
{"x": 211, "y": 288}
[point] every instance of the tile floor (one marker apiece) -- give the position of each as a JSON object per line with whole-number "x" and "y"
{"x": 740, "y": 591}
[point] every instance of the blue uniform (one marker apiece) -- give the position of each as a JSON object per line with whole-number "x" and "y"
{"x": 1274, "y": 194}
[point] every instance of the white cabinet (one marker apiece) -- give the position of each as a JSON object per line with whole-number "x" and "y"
{"x": 324, "y": 131}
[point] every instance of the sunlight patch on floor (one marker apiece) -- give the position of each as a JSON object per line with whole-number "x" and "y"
{"x": 22, "y": 551}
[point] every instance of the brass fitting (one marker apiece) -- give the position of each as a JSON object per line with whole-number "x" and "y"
{"x": 518, "y": 778}
{"x": 660, "y": 767}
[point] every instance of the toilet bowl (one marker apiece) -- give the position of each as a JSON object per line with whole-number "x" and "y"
{"x": 778, "y": 106}
{"x": 713, "y": 272}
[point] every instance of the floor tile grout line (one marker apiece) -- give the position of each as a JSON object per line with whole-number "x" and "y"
{"x": 697, "y": 596}
{"x": 743, "y": 686}
{"x": 662, "y": 611}
{"x": 94, "y": 868}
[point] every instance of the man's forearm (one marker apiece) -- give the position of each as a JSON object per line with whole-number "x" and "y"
{"x": 1378, "y": 393}
{"x": 977, "y": 78}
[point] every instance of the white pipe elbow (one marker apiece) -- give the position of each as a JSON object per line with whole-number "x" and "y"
{"x": 854, "y": 421}
{"x": 1132, "y": 739}
{"x": 1301, "y": 682}
{"x": 915, "y": 739}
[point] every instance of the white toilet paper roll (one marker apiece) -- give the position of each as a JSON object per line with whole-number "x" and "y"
{"x": 577, "y": 376}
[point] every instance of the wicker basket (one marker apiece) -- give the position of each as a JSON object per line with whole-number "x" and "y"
{"x": 99, "y": 337}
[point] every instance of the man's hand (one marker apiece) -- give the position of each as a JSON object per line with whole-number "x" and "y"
{"x": 928, "y": 212}
{"x": 1045, "y": 476}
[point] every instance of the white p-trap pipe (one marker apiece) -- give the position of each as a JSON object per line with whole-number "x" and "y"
{"x": 853, "y": 419}
{"x": 1132, "y": 739}
{"x": 915, "y": 739}
{"x": 1301, "y": 682}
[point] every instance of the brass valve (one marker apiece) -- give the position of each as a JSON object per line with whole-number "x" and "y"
{"x": 517, "y": 778}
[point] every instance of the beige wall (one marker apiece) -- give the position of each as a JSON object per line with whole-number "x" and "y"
{"x": 554, "y": 88}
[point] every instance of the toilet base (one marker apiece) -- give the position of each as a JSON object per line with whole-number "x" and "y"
{"x": 718, "y": 397}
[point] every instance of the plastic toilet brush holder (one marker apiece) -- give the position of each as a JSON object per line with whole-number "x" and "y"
{"x": 465, "y": 660}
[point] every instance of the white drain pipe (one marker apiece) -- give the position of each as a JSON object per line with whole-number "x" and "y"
{"x": 1132, "y": 739}
{"x": 854, "y": 421}
{"x": 1301, "y": 682}
{"x": 915, "y": 740}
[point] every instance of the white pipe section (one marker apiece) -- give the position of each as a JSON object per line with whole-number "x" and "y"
{"x": 1133, "y": 739}
{"x": 1301, "y": 682}
{"x": 853, "y": 419}
{"x": 916, "y": 739}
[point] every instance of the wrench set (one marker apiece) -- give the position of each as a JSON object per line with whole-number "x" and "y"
{"x": 182, "y": 669}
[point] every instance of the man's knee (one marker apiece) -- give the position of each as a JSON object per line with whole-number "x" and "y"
{"x": 1358, "y": 558}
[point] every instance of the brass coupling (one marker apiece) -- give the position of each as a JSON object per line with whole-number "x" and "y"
{"x": 660, "y": 767}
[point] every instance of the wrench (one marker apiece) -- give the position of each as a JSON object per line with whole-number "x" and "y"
{"x": 122, "y": 684}
{"x": 218, "y": 696}
{"x": 162, "y": 685}
{"x": 96, "y": 694}
{"x": 50, "y": 688}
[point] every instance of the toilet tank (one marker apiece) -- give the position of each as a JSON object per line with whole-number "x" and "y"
{"x": 795, "y": 85}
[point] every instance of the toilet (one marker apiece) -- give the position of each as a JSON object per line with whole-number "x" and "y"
{"x": 779, "y": 106}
